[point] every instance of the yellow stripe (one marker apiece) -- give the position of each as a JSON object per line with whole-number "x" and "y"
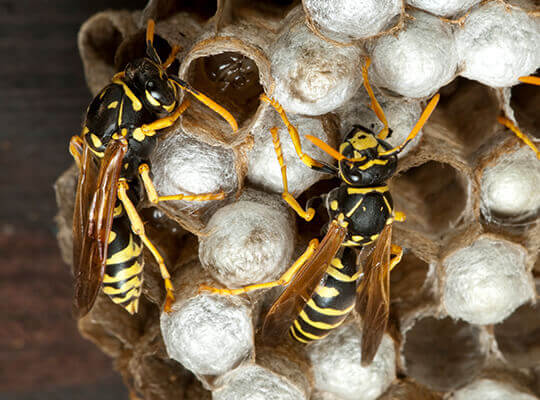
{"x": 353, "y": 210}
{"x": 99, "y": 154}
{"x": 371, "y": 163}
{"x": 297, "y": 337}
{"x": 306, "y": 334}
{"x": 117, "y": 210}
{"x": 113, "y": 104}
{"x": 95, "y": 140}
{"x": 340, "y": 276}
{"x": 132, "y": 307}
{"x": 85, "y": 130}
{"x": 129, "y": 252}
{"x": 135, "y": 292}
{"x": 336, "y": 262}
{"x": 132, "y": 283}
{"x": 124, "y": 275}
{"x": 170, "y": 107}
{"x": 380, "y": 189}
{"x": 388, "y": 206}
{"x": 324, "y": 291}
{"x": 138, "y": 135}
{"x": 318, "y": 324}
{"x": 332, "y": 312}
{"x": 112, "y": 236}
{"x": 137, "y": 105}
{"x": 151, "y": 100}
{"x": 120, "y": 112}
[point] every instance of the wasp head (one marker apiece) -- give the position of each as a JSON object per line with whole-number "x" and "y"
{"x": 152, "y": 85}
{"x": 363, "y": 163}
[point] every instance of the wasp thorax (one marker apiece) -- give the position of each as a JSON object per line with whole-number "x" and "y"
{"x": 152, "y": 85}
{"x": 364, "y": 165}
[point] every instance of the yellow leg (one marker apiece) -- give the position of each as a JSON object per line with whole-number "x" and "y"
{"x": 76, "y": 149}
{"x": 226, "y": 115}
{"x": 374, "y": 103}
{"x": 509, "y": 124}
{"x": 282, "y": 281}
{"x": 533, "y": 80}
{"x": 399, "y": 216}
{"x": 167, "y": 121}
{"x": 293, "y": 132}
{"x": 397, "y": 253}
{"x": 137, "y": 227}
{"x": 310, "y": 212}
{"x": 171, "y": 57}
{"x": 151, "y": 192}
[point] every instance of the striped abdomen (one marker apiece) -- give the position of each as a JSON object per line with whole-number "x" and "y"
{"x": 332, "y": 301}
{"x": 123, "y": 278}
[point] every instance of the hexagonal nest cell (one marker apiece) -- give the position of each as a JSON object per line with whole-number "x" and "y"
{"x": 231, "y": 79}
{"x": 462, "y": 313}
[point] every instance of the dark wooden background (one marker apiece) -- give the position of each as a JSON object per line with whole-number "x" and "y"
{"x": 42, "y": 98}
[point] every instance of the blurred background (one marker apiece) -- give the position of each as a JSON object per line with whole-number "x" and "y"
{"x": 43, "y": 96}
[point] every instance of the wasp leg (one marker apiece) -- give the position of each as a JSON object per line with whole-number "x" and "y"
{"x": 399, "y": 216}
{"x": 282, "y": 281}
{"x": 144, "y": 171}
{"x": 293, "y": 132}
{"x": 76, "y": 149}
{"x": 162, "y": 123}
{"x": 397, "y": 253}
{"x": 174, "y": 51}
{"x": 310, "y": 212}
{"x": 510, "y": 125}
{"x": 137, "y": 227}
{"x": 533, "y": 80}
{"x": 383, "y": 134}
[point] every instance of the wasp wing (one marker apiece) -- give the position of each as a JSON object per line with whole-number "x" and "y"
{"x": 97, "y": 220}
{"x": 373, "y": 295}
{"x": 86, "y": 186}
{"x": 289, "y": 304}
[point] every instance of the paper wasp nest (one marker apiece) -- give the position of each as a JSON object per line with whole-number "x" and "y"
{"x": 464, "y": 323}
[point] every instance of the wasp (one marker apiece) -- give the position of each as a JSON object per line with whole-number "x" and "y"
{"x": 112, "y": 153}
{"x": 350, "y": 267}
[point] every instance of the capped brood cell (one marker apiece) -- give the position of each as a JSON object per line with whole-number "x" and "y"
{"x": 498, "y": 43}
{"x": 416, "y": 61}
{"x": 350, "y": 20}
{"x": 312, "y": 76}
{"x": 336, "y": 364}
{"x": 248, "y": 241}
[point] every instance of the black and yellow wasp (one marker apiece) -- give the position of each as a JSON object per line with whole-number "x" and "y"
{"x": 326, "y": 282}
{"x": 112, "y": 153}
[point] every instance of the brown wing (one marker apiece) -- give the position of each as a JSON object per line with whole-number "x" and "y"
{"x": 373, "y": 296}
{"x": 289, "y": 304}
{"x": 97, "y": 221}
{"x": 86, "y": 186}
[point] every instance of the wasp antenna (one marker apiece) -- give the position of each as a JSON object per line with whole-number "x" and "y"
{"x": 383, "y": 134}
{"x": 151, "y": 52}
{"x": 510, "y": 125}
{"x": 421, "y": 122}
{"x": 326, "y": 148}
{"x": 533, "y": 80}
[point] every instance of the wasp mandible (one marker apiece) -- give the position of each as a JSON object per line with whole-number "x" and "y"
{"x": 352, "y": 263}
{"x": 112, "y": 154}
